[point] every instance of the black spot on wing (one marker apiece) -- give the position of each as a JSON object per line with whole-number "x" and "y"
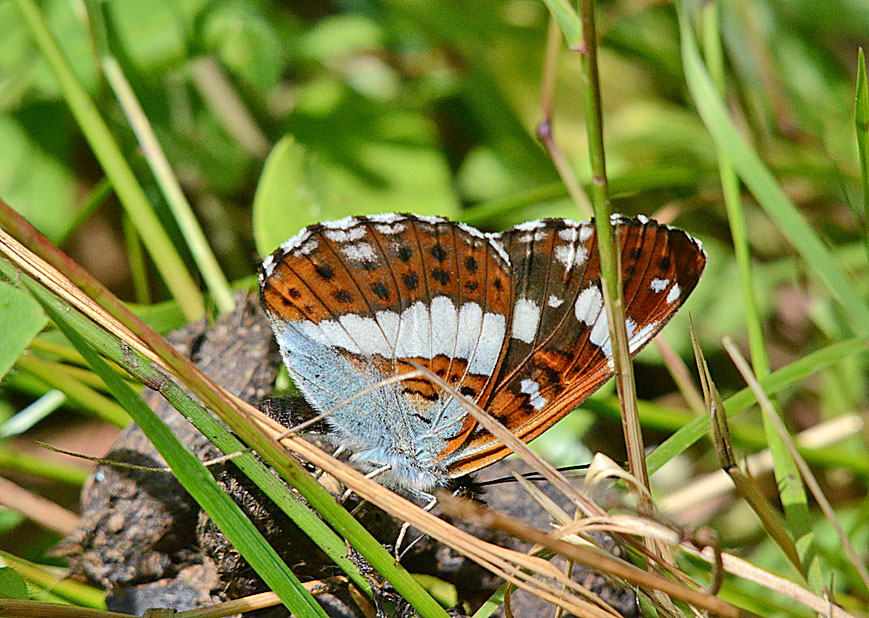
{"x": 381, "y": 290}
{"x": 441, "y": 276}
{"x": 325, "y": 271}
{"x": 438, "y": 253}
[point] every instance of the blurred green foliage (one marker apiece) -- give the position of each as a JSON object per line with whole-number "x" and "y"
{"x": 274, "y": 115}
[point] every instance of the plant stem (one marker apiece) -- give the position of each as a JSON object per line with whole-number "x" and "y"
{"x": 609, "y": 252}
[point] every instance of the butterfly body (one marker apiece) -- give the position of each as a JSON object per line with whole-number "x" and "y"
{"x": 514, "y": 321}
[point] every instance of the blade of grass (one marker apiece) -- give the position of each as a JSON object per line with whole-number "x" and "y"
{"x": 49, "y": 579}
{"x": 41, "y": 467}
{"x": 610, "y": 254}
{"x": 744, "y": 484}
{"x": 774, "y": 382}
{"x": 712, "y": 485}
{"x": 166, "y": 179}
{"x": 199, "y": 482}
{"x": 861, "y": 126}
{"x": 790, "y": 487}
{"x": 568, "y": 22}
{"x": 32, "y": 414}
{"x": 167, "y": 260}
{"x": 544, "y": 128}
{"x": 136, "y": 260}
{"x": 763, "y": 185}
{"x": 99, "y": 405}
{"x": 732, "y": 198}
{"x": 44, "y": 609}
{"x": 667, "y": 418}
{"x": 95, "y": 199}
{"x": 492, "y": 603}
{"x": 817, "y": 492}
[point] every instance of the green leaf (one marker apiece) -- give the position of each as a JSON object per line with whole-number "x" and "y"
{"x": 289, "y": 195}
{"x": 151, "y": 33}
{"x": 32, "y": 176}
{"x": 21, "y": 319}
{"x": 12, "y": 585}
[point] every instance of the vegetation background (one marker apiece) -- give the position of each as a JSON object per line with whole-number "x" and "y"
{"x": 274, "y": 115}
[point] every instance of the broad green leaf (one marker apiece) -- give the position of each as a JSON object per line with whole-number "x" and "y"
{"x": 32, "y": 176}
{"x": 151, "y": 33}
{"x": 298, "y": 188}
{"x": 289, "y": 195}
{"x": 21, "y": 319}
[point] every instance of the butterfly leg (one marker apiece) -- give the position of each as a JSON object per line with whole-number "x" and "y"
{"x": 370, "y": 475}
{"x": 403, "y": 532}
{"x": 336, "y": 454}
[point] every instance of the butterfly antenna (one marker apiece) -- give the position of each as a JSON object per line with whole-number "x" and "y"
{"x": 531, "y": 476}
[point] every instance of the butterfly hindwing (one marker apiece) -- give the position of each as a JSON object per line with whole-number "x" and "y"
{"x": 558, "y": 352}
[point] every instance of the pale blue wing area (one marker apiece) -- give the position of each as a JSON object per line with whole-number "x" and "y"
{"x": 379, "y": 427}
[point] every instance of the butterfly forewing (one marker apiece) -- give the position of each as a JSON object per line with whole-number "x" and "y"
{"x": 387, "y": 293}
{"x": 558, "y": 351}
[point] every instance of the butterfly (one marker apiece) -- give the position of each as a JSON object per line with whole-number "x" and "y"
{"x": 514, "y": 321}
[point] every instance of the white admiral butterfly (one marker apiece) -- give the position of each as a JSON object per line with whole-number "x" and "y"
{"x": 514, "y": 321}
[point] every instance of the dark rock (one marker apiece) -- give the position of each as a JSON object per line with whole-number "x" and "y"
{"x": 147, "y": 541}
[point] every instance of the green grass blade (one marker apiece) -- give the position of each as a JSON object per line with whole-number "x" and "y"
{"x": 861, "y": 125}
{"x": 167, "y": 260}
{"x": 181, "y": 210}
{"x": 568, "y": 22}
{"x": 792, "y": 492}
{"x": 89, "y": 399}
{"x": 764, "y": 187}
{"x": 197, "y": 480}
{"x": 69, "y": 589}
{"x": 669, "y": 419}
{"x": 772, "y": 383}
{"x": 39, "y": 466}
